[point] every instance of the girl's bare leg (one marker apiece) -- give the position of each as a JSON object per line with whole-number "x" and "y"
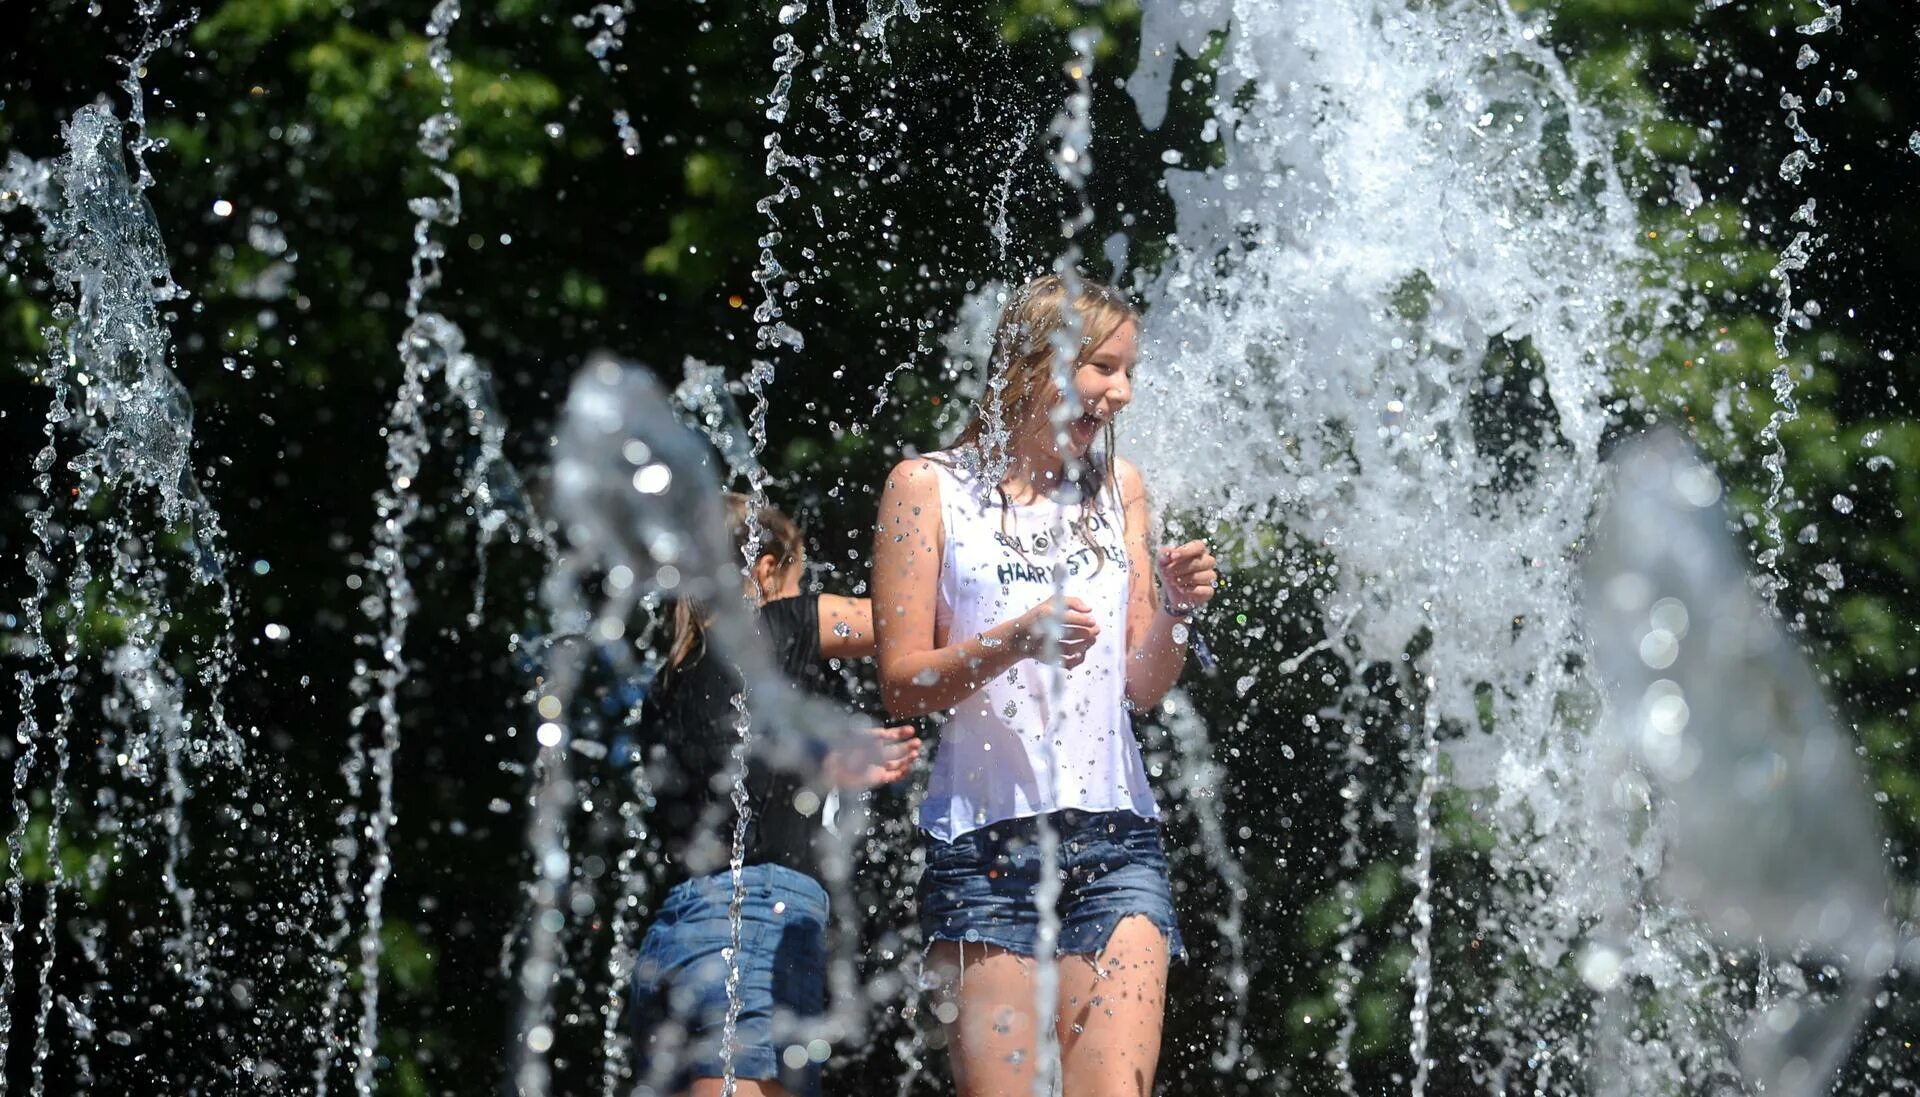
{"x": 986, "y": 1006}
{"x": 742, "y": 1087}
{"x": 1111, "y": 1010}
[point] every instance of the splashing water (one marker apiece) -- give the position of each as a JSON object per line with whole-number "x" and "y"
{"x": 1769, "y": 833}
{"x": 1793, "y": 260}
{"x": 1434, "y": 372}
{"x": 1413, "y": 272}
{"x": 116, "y": 395}
{"x": 608, "y": 22}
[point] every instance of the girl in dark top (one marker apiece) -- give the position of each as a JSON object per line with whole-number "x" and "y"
{"x": 690, "y": 729}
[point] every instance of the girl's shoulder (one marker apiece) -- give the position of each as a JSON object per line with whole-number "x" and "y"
{"x": 930, "y": 476}
{"x": 919, "y": 471}
{"x": 1127, "y": 481}
{"x": 958, "y": 464}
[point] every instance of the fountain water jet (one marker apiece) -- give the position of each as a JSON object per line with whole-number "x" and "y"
{"x": 635, "y": 494}
{"x": 1793, "y": 260}
{"x": 1768, "y": 831}
{"x": 115, "y": 390}
{"x": 432, "y": 347}
{"x": 1412, "y": 211}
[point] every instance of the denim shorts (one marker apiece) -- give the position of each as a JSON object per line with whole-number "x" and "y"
{"x": 679, "y": 1002}
{"x": 980, "y": 886}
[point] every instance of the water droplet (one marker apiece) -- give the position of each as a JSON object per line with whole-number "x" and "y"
{"x": 1670, "y": 614}
{"x": 653, "y": 479}
{"x": 1659, "y": 648}
{"x": 1795, "y": 165}
{"x": 1600, "y": 968}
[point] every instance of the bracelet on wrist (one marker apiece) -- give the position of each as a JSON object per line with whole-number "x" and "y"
{"x": 1181, "y": 614}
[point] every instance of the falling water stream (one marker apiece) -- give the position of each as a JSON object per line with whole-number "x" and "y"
{"x": 426, "y": 349}
{"x": 1409, "y": 216}
{"x": 115, "y": 391}
{"x": 1794, "y": 258}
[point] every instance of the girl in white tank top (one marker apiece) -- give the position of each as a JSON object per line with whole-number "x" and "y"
{"x": 1026, "y": 610}
{"x": 1037, "y": 738}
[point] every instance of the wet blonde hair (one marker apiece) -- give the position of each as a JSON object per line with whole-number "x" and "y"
{"x": 780, "y": 539}
{"x": 1020, "y": 369}
{"x": 1020, "y": 375}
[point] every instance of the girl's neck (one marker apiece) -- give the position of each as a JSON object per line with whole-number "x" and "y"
{"x": 1035, "y": 469}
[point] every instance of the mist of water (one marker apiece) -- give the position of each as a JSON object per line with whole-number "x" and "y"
{"x": 1768, "y": 831}
{"x": 1412, "y": 275}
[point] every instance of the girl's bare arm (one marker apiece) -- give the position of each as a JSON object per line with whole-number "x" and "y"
{"x": 916, "y": 677}
{"x": 1154, "y": 657}
{"x": 846, "y": 627}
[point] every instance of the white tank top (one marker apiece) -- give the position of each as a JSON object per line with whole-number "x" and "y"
{"x": 1036, "y": 739}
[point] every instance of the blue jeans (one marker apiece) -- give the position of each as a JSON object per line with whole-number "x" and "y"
{"x": 679, "y": 1004}
{"x": 979, "y": 888}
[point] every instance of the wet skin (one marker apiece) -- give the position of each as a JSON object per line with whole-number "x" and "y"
{"x": 1109, "y": 1009}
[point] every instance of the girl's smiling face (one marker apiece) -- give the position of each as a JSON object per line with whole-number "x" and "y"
{"x": 1102, "y": 386}
{"x": 1024, "y": 415}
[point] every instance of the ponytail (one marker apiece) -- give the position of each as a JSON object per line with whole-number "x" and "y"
{"x": 781, "y": 540}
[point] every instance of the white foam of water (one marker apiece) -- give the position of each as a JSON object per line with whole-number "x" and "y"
{"x": 1414, "y": 210}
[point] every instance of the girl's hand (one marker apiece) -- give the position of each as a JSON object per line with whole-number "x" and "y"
{"x": 1078, "y": 631}
{"x": 887, "y": 759}
{"x": 1187, "y": 577}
